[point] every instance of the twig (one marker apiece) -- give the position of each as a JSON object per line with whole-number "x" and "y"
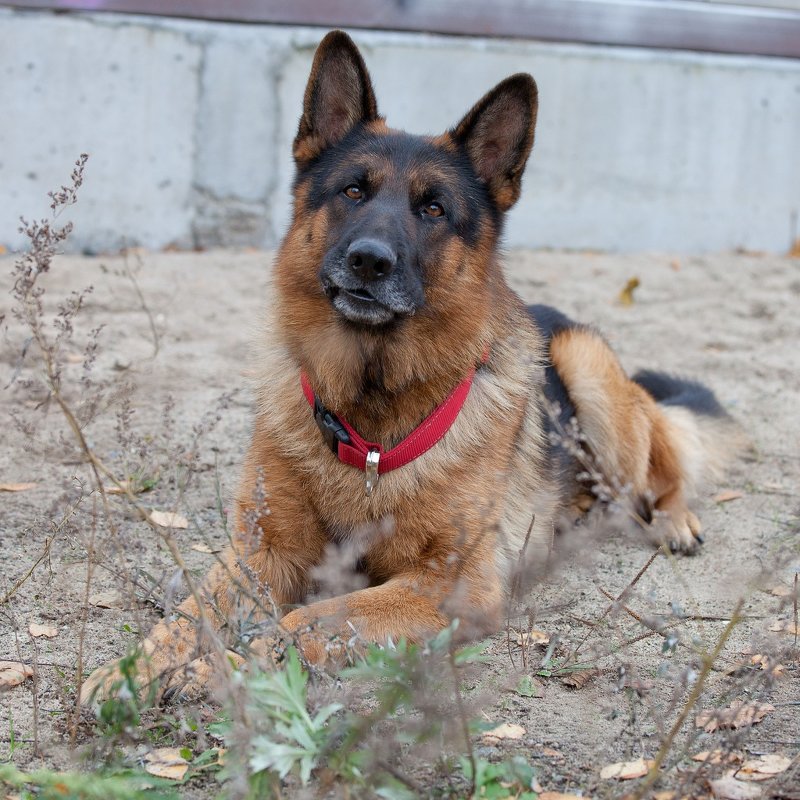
{"x": 617, "y": 599}
{"x": 514, "y": 588}
{"x": 707, "y": 663}
{"x": 464, "y": 723}
{"x": 129, "y": 274}
{"x": 404, "y": 779}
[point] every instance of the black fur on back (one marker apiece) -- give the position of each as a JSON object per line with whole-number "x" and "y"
{"x": 669, "y": 390}
{"x": 551, "y": 321}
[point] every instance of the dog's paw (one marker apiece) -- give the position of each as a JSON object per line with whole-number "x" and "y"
{"x": 125, "y": 678}
{"x": 201, "y": 678}
{"x": 679, "y": 530}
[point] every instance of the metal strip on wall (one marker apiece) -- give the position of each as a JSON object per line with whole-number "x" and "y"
{"x": 674, "y": 24}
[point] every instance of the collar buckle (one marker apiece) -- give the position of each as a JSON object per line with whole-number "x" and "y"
{"x": 332, "y": 430}
{"x": 371, "y": 471}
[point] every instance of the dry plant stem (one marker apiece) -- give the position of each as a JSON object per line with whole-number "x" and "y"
{"x": 462, "y": 715}
{"x": 15, "y": 588}
{"x": 694, "y": 695}
{"x": 35, "y": 696}
{"x": 513, "y": 596}
{"x": 397, "y": 775}
{"x": 132, "y": 278}
{"x": 794, "y": 604}
{"x": 617, "y": 599}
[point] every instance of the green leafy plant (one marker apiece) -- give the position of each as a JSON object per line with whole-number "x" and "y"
{"x": 45, "y": 784}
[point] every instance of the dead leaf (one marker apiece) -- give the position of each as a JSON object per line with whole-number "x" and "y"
{"x": 506, "y": 730}
{"x": 551, "y": 753}
{"x": 726, "y": 495}
{"x": 110, "y": 599}
{"x": 768, "y": 664}
{"x": 533, "y": 637}
{"x": 166, "y": 762}
{"x": 675, "y": 265}
{"x": 36, "y": 630}
{"x": 626, "y": 295}
{"x": 13, "y": 673}
{"x": 221, "y": 755}
{"x": 202, "y": 547}
{"x": 780, "y": 590}
{"x": 579, "y": 678}
{"x": 74, "y": 358}
{"x": 785, "y": 626}
{"x": 626, "y": 770}
{"x": 16, "y": 487}
{"x": 728, "y": 788}
{"x": 763, "y": 768}
{"x": 718, "y": 757}
{"x": 168, "y": 519}
{"x": 737, "y": 715}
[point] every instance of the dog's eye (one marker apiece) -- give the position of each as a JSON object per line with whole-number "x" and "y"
{"x": 433, "y": 210}
{"x": 353, "y": 191}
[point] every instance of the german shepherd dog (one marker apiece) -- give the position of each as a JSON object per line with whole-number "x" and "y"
{"x": 404, "y": 393}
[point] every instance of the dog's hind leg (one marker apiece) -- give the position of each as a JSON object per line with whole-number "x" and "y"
{"x": 639, "y": 449}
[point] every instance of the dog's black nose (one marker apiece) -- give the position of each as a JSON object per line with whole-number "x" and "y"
{"x": 370, "y": 259}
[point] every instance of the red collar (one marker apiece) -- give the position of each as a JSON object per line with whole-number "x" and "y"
{"x": 369, "y": 457}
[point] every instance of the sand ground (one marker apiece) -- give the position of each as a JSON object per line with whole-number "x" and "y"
{"x": 731, "y": 320}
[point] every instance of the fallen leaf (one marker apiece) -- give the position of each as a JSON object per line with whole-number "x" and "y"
{"x": 551, "y": 753}
{"x": 13, "y": 673}
{"x": 785, "y": 626}
{"x": 16, "y": 487}
{"x": 737, "y": 715}
{"x": 36, "y": 630}
{"x": 768, "y": 664}
{"x": 626, "y": 770}
{"x": 110, "y": 599}
{"x": 718, "y": 757}
{"x": 579, "y": 678}
{"x": 74, "y": 358}
{"x": 675, "y": 265}
{"x": 780, "y": 590}
{"x": 533, "y": 637}
{"x": 728, "y": 788}
{"x": 202, "y": 547}
{"x": 166, "y": 762}
{"x": 507, "y": 730}
{"x": 626, "y": 295}
{"x": 726, "y": 495}
{"x": 168, "y": 519}
{"x": 763, "y": 768}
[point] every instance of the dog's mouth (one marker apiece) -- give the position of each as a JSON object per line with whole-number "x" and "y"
{"x": 360, "y": 294}
{"x": 360, "y": 306}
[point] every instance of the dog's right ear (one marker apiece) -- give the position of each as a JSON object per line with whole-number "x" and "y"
{"x": 338, "y": 96}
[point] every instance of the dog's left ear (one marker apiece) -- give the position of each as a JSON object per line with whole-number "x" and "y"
{"x": 338, "y": 96}
{"x": 497, "y": 134}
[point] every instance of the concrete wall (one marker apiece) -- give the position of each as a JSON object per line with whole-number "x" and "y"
{"x": 189, "y": 127}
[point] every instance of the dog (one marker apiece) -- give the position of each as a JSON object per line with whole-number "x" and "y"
{"x": 410, "y": 406}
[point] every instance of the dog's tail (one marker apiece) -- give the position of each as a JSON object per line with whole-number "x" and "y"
{"x": 706, "y": 436}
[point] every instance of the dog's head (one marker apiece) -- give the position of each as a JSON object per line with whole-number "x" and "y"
{"x": 393, "y": 231}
